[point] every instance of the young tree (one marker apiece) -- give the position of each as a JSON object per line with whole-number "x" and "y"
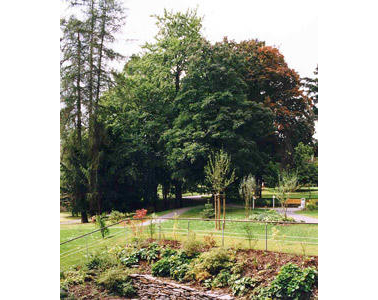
{"x": 219, "y": 174}
{"x": 247, "y": 189}
{"x": 287, "y": 183}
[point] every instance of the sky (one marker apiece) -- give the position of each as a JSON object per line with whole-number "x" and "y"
{"x": 291, "y": 26}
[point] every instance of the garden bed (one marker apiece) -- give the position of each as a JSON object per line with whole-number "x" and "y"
{"x": 255, "y": 270}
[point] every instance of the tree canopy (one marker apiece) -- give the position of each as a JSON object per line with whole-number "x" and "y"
{"x": 127, "y": 135}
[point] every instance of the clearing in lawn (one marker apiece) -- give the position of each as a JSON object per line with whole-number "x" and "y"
{"x": 289, "y": 238}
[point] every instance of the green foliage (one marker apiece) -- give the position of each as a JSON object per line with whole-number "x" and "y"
{"x": 116, "y": 216}
{"x": 269, "y": 216}
{"x": 247, "y": 189}
{"x": 102, "y": 260}
{"x": 218, "y": 171}
{"x": 191, "y": 246}
{"x": 211, "y": 263}
{"x": 175, "y": 266}
{"x": 250, "y": 236}
{"x": 149, "y": 253}
{"x": 208, "y": 212}
{"x": 162, "y": 267}
{"x": 306, "y": 164}
{"x": 117, "y": 281}
{"x": 291, "y": 283}
{"x": 73, "y": 277}
{"x": 167, "y": 252}
{"x": 242, "y": 285}
{"x": 222, "y": 279}
{"x": 312, "y": 205}
{"x": 100, "y": 223}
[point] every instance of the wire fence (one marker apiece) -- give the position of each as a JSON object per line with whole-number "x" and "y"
{"x": 290, "y": 237}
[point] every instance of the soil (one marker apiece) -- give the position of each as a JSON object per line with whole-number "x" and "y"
{"x": 257, "y": 263}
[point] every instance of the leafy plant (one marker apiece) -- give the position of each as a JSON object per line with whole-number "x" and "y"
{"x": 222, "y": 279}
{"x": 116, "y": 280}
{"x": 191, "y": 246}
{"x": 100, "y": 223}
{"x": 208, "y": 212}
{"x": 209, "y": 241}
{"x": 211, "y": 262}
{"x": 162, "y": 267}
{"x": 291, "y": 283}
{"x": 247, "y": 190}
{"x": 242, "y": 285}
{"x": 250, "y": 236}
{"x": 175, "y": 266}
{"x": 116, "y": 216}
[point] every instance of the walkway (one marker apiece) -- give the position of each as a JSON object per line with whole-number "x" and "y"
{"x": 299, "y": 218}
{"x": 178, "y": 211}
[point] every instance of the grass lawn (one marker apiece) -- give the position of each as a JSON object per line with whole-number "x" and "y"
{"x": 301, "y": 193}
{"x": 308, "y": 213}
{"x": 283, "y": 238}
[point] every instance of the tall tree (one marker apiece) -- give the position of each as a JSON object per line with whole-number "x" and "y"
{"x": 72, "y": 69}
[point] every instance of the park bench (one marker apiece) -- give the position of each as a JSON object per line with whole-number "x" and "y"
{"x": 293, "y": 202}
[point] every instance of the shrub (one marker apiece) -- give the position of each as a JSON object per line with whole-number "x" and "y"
{"x": 175, "y": 266}
{"x": 291, "y": 283}
{"x": 312, "y": 204}
{"x": 116, "y": 280}
{"x": 208, "y": 212}
{"x": 127, "y": 289}
{"x": 100, "y": 222}
{"x": 73, "y": 277}
{"x": 167, "y": 252}
{"x": 162, "y": 267}
{"x": 242, "y": 285}
{"x": 116, "y": 216}
{"x": 209, "y": 241}
{"x": 222, "y": 279}
{"x": 101, "y": 261}
{"x": 130, "y": 260}
{"x": 212, "y": 262}
{"x": 191, "y": 246}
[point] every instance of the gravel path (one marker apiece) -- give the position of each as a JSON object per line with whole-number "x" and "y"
{"x": 178, "y": 211}
{"x": 291, "y": 213}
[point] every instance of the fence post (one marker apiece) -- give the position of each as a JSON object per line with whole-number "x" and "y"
{"x": 159, "y": 230}
{"x": 188, "y": 228}
{"x": 224, "y": 221}
{"x": 86, "y": 245}
{"x": 266, "y": 236}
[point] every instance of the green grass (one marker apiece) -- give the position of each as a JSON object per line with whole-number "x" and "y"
{"x": 301, "y": 193}
{"x": 308, "y": 213}
{"x": 67, "y": 216}
{"x": 290, "y": 238}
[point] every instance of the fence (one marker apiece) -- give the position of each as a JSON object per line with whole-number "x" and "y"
{"x": 299, "y": 238}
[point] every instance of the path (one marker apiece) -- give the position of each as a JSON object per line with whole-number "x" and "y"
{"x": 299, "y": 218}
{"x": 290, "y": 213}
{"x": 178, "y": 211}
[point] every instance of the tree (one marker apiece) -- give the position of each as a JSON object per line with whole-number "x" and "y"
{"x": 220, "y": 175}
{"x": 305, "y": 163}
{"x": 311, "y": 89}
{"x": 247, "y": 189}
{"x": 288, "y": 183}
{"x": 72, "y": 76}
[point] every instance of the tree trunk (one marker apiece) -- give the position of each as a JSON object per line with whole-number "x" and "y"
{"x": 178, "y": 193}
{"x": 84, "y": 217}
{"x": 216, "y": 210}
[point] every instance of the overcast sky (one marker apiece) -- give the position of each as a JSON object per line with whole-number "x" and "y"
{"x": 291, "y": 26}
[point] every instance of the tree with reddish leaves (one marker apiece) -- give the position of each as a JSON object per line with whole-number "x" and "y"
{"x": 270, "y": 81}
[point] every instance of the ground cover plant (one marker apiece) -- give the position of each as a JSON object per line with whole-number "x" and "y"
{"x": 243, "y": 273}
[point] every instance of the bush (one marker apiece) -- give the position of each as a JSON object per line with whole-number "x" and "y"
{"x": 222, "y": 279}
{"x": 167, "y": 252}
{"x": 174, "y": 266}
{"x": 73, "y": 277}
{"x": 191, "y": 246}
{"x": 312, "y": 204}
{"x": 100, "y": 223}
{"x": 116, "y": 216}
{"x": 270, "y": 216}
{"x": 162, "y": 267}
{"x": 117, "y": 281}
{"x": 211, "y": 262}
{"x": 208, "y": 212}
{"x": 100, "y": 262}
{"x": 242, "y": 285}
{"x": 291, "y": 283}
